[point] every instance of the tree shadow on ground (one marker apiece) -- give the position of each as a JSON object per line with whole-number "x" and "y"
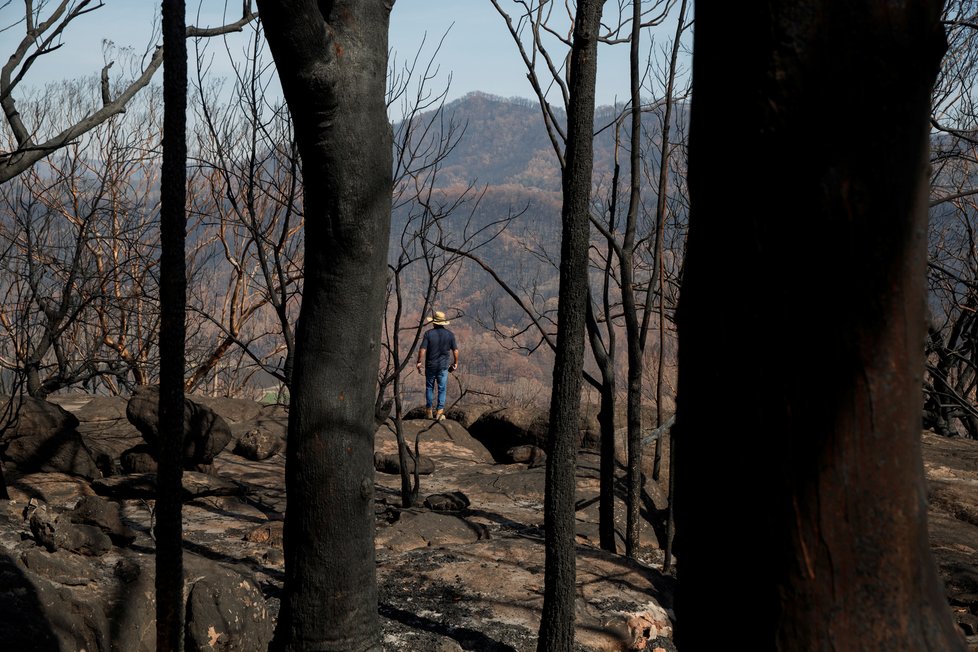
{"x": 468, "y": 639}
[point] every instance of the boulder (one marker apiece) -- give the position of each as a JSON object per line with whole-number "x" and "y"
{"x": 42, "y": 437}
{"x": 232, "y": 410}
{"x": 258, "y": 443}
{"x": 390, "y": 463}
{"x": 527, "y": 454}
{"x": 207, "y": 433}
{"x": 444, "y": 438}
{"x": 505, "y": 428}
{"x": 447, "y": 502}
{"x": 98, "y": 512}
{"x": 138, "y": 459}
{"x": 427, "y": 528}
{"x": 501, "y": 429}
{"x": 50, "y": 488}
{"x": 39, "y": 615}
{"x": 46, "y": 606}
{"x": 59, "y": 566}
{"x": 270, "y": 534}
{"x": 466, "y": 415}
{"x": 106, "y": 431}
{"x": 225, "y": 610}
{"x": 59, "y": 533}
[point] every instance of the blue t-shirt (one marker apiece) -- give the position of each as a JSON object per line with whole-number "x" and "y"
{"x": 438, "y": 343}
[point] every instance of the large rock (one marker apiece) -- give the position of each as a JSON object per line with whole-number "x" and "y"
{"x": 138, "y": 459}
{"x": 501, "y": 429}
{"x": 232, "y": 410}
{"x": 58, "y": 532}
{"x": 468, "y": 414}
{"x": 98, "y": 512}
{"x": 60, "y": 566}
{"x": 465, "y": 414}
{"x": 427, "y": 528}
{"x": 106, "y": 431}
{"x": 42, "y": 436}
{"x": 51, "y": 603}
{"x": 504, "y": 428}
{"x": 207, "y": 433}
{"x": 37, "y": 615}
{"x": 258, "y": 443}
{"x": 225, "y": 610}
{"x": 49, "y": 488}
{"x": 390, "y": 463}
{"x": 446, "y": 438}
{"x": 527, "y": 454}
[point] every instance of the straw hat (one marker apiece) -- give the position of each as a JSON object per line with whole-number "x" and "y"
{"x": 438, "y": 319}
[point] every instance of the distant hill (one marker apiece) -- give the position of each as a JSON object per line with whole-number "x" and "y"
{"x": 505, "y": 142}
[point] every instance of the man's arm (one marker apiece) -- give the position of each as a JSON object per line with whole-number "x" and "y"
{"x": 420, "y": 365}
{"x": 455, "y": 363}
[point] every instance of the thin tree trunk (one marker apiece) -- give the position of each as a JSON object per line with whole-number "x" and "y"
{"x": 332, "y": 60}
{"x": 173, "y": 298}
{"x": 557, "y": 622}
{"x": 804, "y": 316}
{"x": 633, "y": 326}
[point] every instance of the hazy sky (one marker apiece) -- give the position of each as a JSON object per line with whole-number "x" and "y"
{"x": 477, "y": 49}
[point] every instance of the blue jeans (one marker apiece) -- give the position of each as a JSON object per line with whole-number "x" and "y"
{"x": 431, "y": 377}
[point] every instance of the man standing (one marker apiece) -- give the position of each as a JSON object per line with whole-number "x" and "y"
{"x": 438, "y": 355}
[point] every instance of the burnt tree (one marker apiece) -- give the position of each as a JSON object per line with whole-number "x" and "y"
{"x": 173, "y": 310}
{"x": 803, "y": 315}
{"x": 557, "y": 621}
{"x": 332, "y": 61}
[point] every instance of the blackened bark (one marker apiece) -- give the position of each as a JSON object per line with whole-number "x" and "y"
{"x": 635, "y": 328}
{"x": 603, "y": 356}
{"x": 824, "y": 356}
{"x": 332, "y": 61}
{"x": 557, "y": 622}
{"x": 173, "y": 293}
{"x": 606, "y": 496}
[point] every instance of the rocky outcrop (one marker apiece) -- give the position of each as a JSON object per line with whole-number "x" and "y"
{"x": 63, "y": 602}
{"x": 58, "y": 532}
{"x": 462, "y": 570}
{"x": 42, "y": 436}
{"x": 107, "y": 432}
{"x": 205, "y": 432}
{"x": 502, "y": 429}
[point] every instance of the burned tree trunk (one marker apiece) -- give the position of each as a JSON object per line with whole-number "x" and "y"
{"x": 803, "y": 314}
{"x": 332, "y": 60}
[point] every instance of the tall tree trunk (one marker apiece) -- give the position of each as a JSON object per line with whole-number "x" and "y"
{"x": 173, "y": 299}
{"x": 332, "y": 60}
{"x": 831, "y": 102}
{"x": 557, "y": 622}
{"x": 634, "y": 325}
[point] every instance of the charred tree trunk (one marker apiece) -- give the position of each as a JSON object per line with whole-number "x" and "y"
{"x": 173, "y": 304}
{"x": 825, "y": 358}
{"x": 606, "y": 497}
{"x": 557, "y": 622}
{"x": 332, "y": 61}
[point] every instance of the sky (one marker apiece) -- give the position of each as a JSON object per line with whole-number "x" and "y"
{"x": 477, "y": 51}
